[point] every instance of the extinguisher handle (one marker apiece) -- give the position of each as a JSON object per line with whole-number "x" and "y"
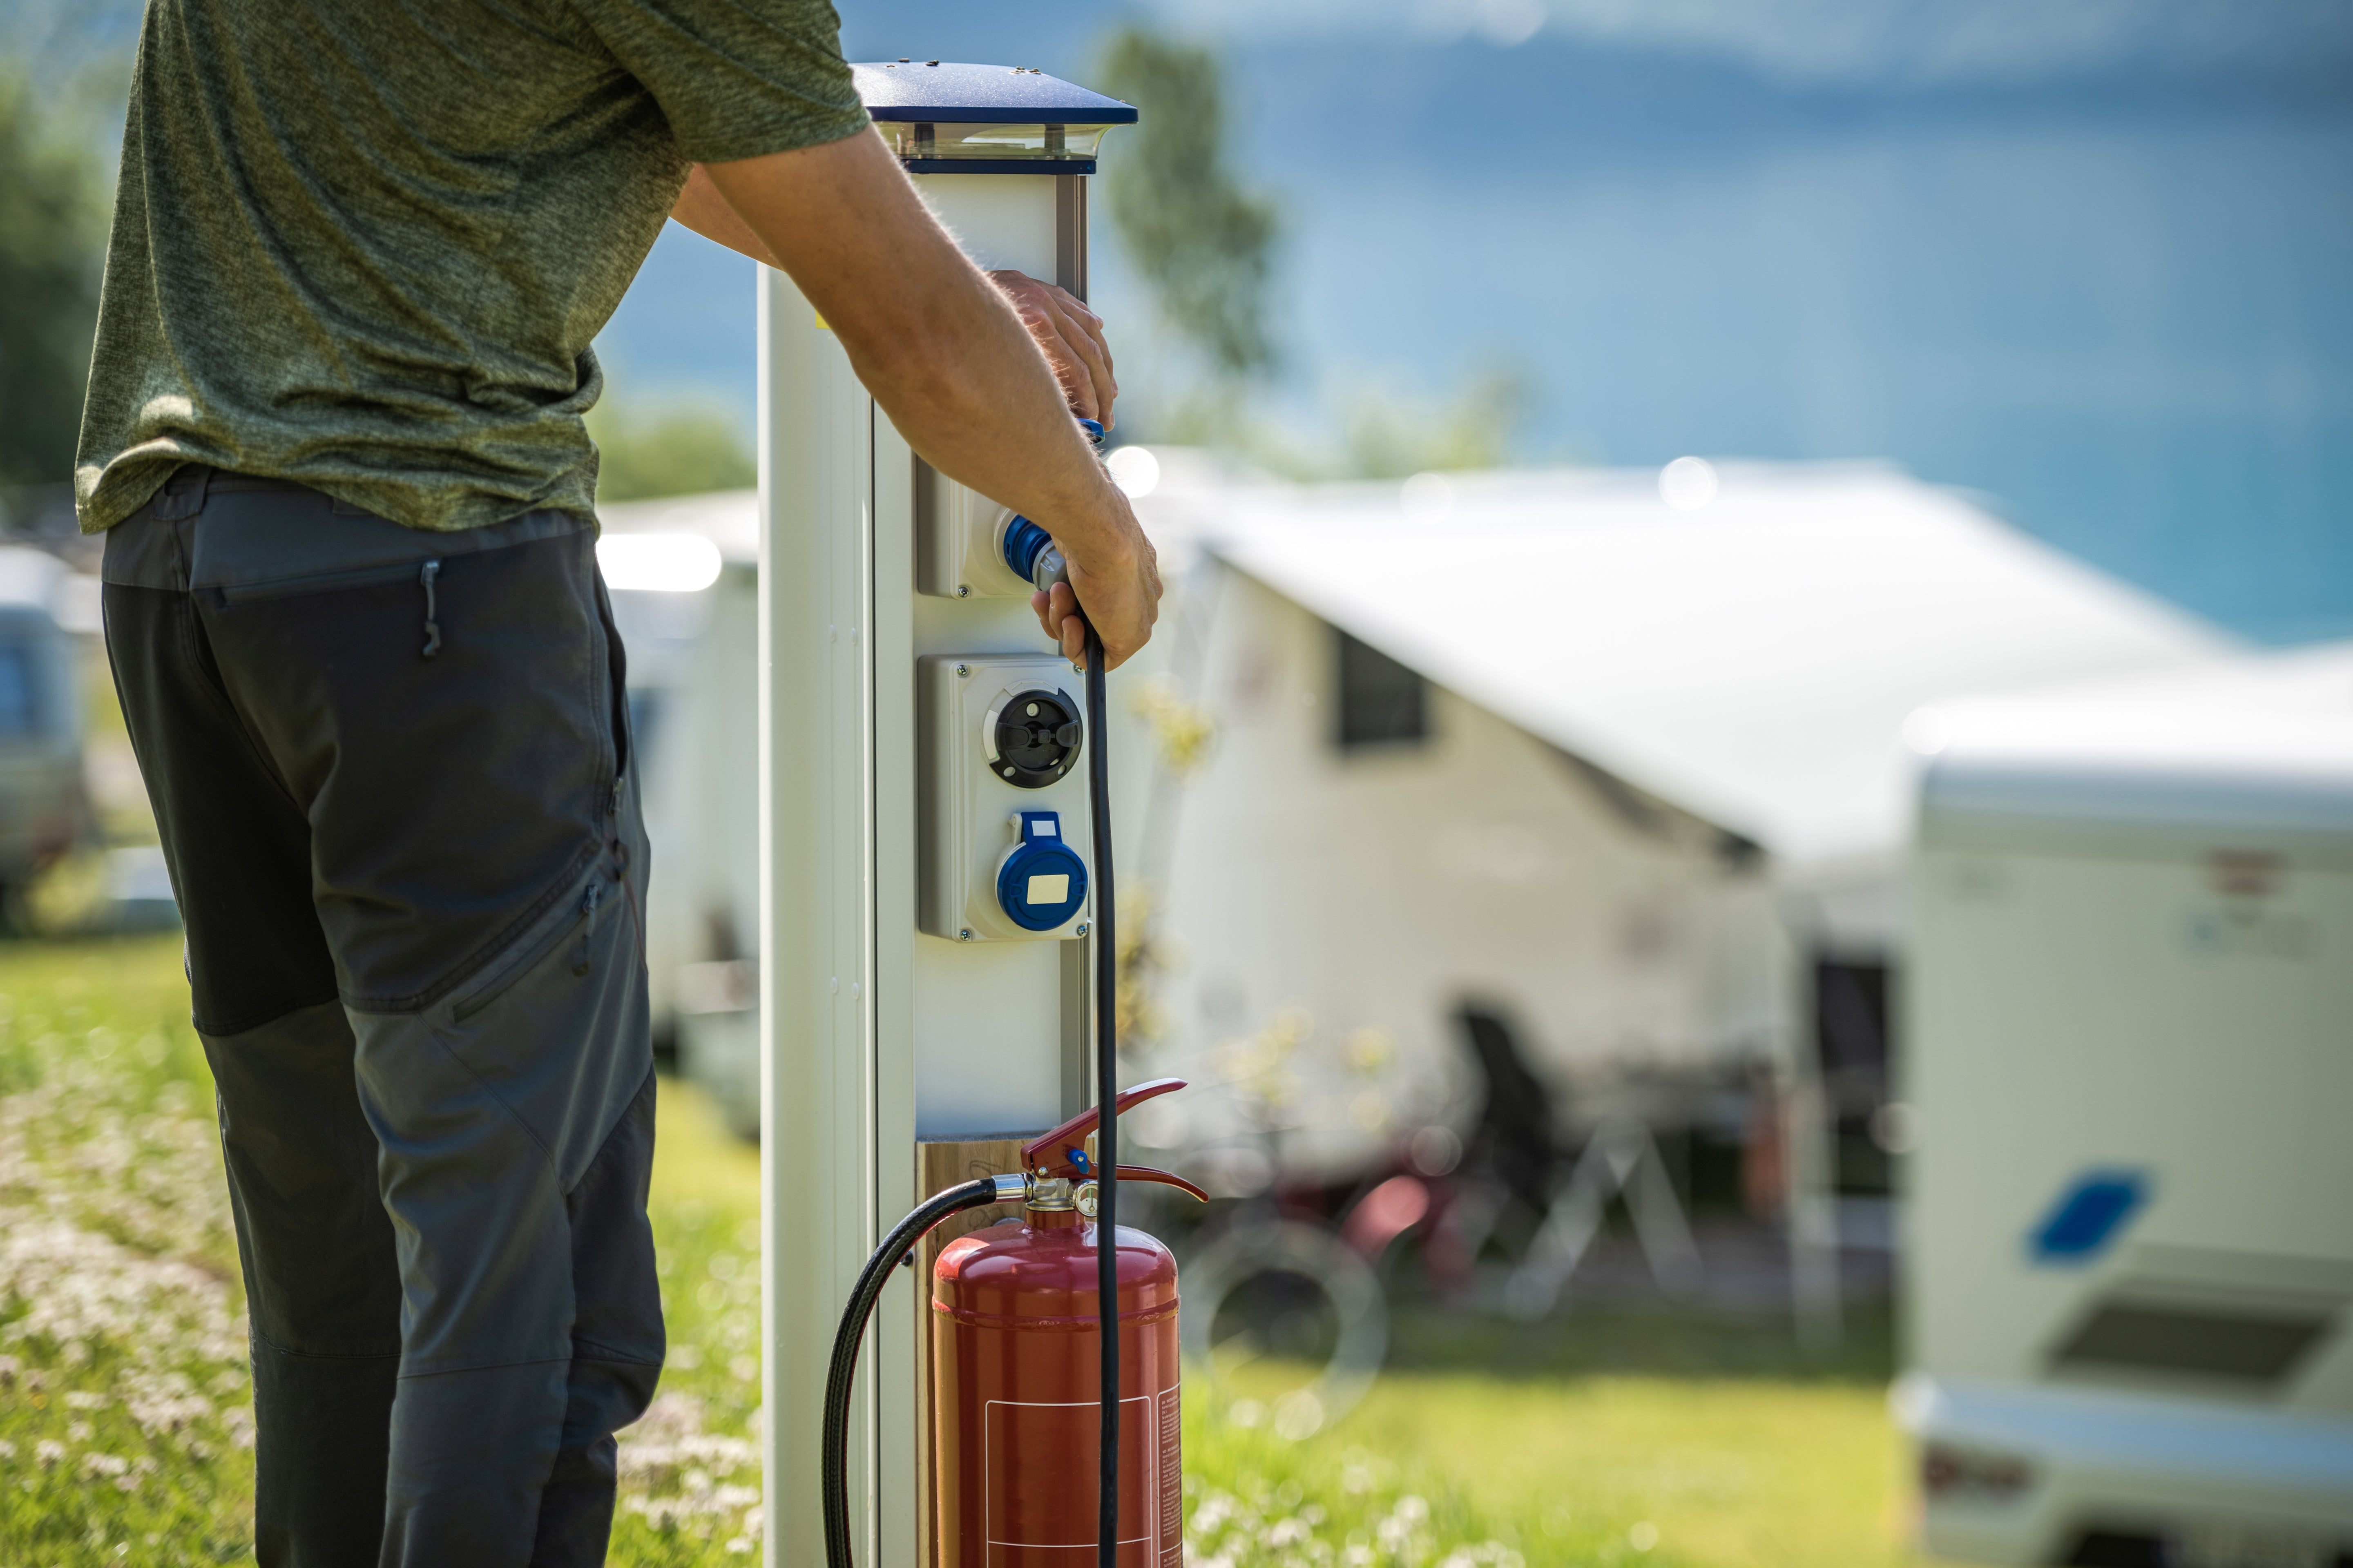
{"x": 1166, "y": 1178}
{"x": 1050, "y": 1153}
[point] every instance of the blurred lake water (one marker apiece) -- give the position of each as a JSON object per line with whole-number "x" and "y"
{"x": 2122, "y": 308}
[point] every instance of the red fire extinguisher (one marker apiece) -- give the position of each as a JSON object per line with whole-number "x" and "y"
{"x": 1016, "y": 1344}
{"x": 1018, "y": 1349}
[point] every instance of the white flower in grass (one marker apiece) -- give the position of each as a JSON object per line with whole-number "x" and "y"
{"x": 1215, "y": 1509}
{"x": 95, "y": 1464}
{"x": 1289, "y": 1533}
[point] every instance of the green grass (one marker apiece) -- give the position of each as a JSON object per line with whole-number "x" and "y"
{"x": 125, "y": 1409}
{"x": 1615, "y": 1437}
{"x": 1617, "y": 1469}
{"x": 126, "y": 1427}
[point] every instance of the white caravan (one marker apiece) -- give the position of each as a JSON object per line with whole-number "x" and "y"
{"x": 1608, "y": 758}
{"x": 683, "y": 575}
{"x": 43, "y": 810}
{"x": 2131, "y": 1044}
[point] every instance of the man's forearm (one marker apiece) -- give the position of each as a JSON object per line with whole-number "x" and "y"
{"x": 932, "y": 338}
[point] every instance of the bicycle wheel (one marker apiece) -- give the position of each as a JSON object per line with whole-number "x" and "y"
{"x": 1289, "y": 1293}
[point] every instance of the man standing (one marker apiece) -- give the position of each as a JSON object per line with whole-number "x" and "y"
{"x": 335, "y": 439}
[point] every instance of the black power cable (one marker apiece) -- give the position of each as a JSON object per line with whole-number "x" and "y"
{"x": 1106, "y": 1171}
{"x": 846, "y": 1339}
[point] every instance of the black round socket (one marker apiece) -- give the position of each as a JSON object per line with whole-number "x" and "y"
{"x": 1038, "y": 735}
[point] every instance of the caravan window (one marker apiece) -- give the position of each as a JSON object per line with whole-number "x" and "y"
{"x": 1382, "y": 702}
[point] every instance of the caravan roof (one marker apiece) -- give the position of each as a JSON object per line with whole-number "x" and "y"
{"x": 1752, "y": 660}
{"x": 2259, "y": 744}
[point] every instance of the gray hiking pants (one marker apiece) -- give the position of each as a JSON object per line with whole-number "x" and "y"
{"x": 393, "y": 778}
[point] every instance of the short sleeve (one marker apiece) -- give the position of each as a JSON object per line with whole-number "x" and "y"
{"x": 737, "y": 79}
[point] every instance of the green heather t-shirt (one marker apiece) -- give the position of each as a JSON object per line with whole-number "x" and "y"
{"x": 364, "y": 244}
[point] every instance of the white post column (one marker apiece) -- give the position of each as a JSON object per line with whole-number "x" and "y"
{"x": 817, "y": 983}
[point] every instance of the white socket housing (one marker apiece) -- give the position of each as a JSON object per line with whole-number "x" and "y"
{"x": 969, "y": 817}
{"x": 960, "y": 541}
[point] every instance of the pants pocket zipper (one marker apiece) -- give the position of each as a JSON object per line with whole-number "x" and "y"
{"x": 486, "y": 991}
{"x": 588, "y": 924}
{"x": 431, "y": 569}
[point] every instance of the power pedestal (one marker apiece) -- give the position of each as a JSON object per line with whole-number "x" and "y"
{"x": 925, "y": 869}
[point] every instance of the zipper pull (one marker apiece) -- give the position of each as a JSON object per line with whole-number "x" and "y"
{"x": 588, "y": 924}
{"x": 432, "y": 627}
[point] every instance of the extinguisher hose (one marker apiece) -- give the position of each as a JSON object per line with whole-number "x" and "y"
{"x": 1106, "y": 1162}
{"x": 846, "y": 1339}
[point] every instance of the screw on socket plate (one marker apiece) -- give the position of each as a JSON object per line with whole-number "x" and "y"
{"x": 964, "y": 934}
{"x": 964, "y": 591}
{"x": 964, "y": 669}
{"x": 1081, "y": 930}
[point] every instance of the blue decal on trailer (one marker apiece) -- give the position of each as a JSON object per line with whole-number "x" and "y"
{"x": 2091, "y": 1213}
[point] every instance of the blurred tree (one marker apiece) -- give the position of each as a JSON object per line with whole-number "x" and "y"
{"x": 1203, "y": 243}
{"x": 51, "y": 250}
{"x": 669, "y": 449}
{"x": 1206, "y": 247}
{"x": 1385, "y": 436}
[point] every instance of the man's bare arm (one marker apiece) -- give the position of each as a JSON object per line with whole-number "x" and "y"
{"x": 1071, "y": 334}
{"x": 946, "y": 354}
{"x": 701, "y": 208}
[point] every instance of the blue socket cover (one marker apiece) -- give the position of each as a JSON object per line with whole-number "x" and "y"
{"x": 1043, "y": 883}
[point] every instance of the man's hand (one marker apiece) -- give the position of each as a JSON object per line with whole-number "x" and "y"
{"x": 1072, "y": 338}
{"x": 1122, "y": 598}
{"x": 944, "y": 351}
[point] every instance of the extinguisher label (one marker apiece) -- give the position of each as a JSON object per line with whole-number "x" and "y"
{"x": 1042, "y": 1457}
{"x": 1172, "y": 1480}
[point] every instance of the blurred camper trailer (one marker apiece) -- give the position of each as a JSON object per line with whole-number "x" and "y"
{"x": 2131, "y": 1026}
{"x": 683, "y": 575}
{"x": 1613, "y": 761}
{"x": 43, "y": 809}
